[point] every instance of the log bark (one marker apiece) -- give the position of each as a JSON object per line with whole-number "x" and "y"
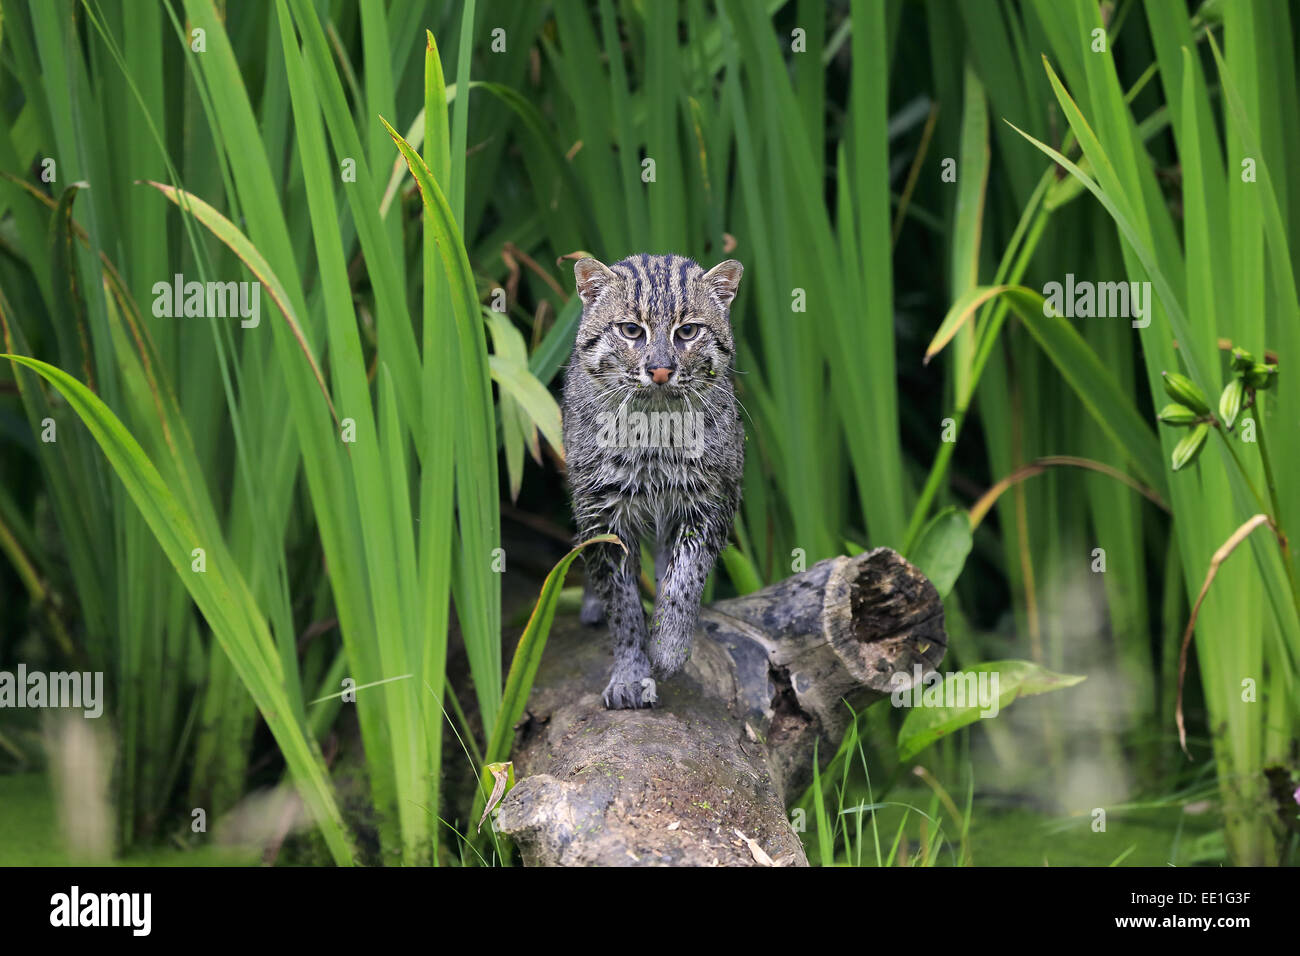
{"x": 703, "y": 778}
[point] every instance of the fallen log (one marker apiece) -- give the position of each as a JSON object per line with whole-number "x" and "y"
{"x": 703, "y": 778}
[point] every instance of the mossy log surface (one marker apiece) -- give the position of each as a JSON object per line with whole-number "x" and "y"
{"x": 703, "y": 778}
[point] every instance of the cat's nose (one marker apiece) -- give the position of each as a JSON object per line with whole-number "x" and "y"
{"x": 660, "y": 375}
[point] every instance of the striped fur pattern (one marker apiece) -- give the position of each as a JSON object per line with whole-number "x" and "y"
{"x": 654, "y": 352}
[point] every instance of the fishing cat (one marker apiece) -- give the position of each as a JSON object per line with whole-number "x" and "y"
{"x": 655, "y": 449}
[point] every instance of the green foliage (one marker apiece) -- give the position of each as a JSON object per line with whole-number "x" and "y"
{"x": 941, "y": 552}
{"x": 925, "y": 725}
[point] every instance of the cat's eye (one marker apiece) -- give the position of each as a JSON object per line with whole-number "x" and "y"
{"x": 631, "y": 330}
{"x": 687, "y": 331}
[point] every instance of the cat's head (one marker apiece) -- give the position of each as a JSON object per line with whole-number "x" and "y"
{"x": 659, "y": 324}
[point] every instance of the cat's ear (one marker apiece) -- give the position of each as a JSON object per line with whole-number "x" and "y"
{"x": 723, "y": 279}
{"x": 592, "y": 277}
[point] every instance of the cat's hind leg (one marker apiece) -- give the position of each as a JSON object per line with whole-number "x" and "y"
{"x": 592, "y": 612}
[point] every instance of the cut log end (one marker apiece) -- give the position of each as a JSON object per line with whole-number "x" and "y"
{"x": 893, "y": 620}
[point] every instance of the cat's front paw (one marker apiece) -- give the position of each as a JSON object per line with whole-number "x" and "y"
{"x": 668, "y": 652}
{"x": 625, "y": 692}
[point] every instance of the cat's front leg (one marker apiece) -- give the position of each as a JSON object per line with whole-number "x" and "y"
{"x": 692, "y": 550}
{"x": 612, "y": 582}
